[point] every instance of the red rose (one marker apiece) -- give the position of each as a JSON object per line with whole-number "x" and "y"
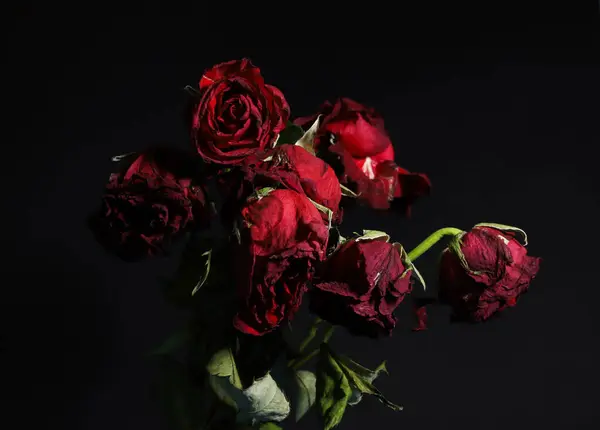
{"x": 361, "y": 285}
{"x": 147, "y": 205}
{"x": 387, "y": 175}
{"x": 237, "y": 114}
{"x": 378, "y": 181}
{"x": 352, "y": 138}
{"x": 297, "y": 169}
{"x": 483, "y": 272}
{"x": 358, "y": 129}
{"x": 284, "y": 236}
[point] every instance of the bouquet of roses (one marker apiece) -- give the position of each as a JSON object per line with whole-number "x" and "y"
{"x": 259, "y": 204}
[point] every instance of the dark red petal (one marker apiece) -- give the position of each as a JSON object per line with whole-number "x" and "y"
{"x": 420, "y": 312}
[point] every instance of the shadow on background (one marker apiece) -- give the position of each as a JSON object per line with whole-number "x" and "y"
{"x": 55, "y": 341}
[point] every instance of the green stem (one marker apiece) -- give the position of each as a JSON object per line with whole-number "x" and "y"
{"x": 328, "y": 334}
{"x": 433, "y": 238}
{"x": 296, "y": 364}
{"x": 311, "y": 334}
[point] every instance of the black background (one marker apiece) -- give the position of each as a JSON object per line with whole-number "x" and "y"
{"x": 504, "y": 123}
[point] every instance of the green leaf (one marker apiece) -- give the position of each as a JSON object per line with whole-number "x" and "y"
{"x": 373, "y": 235}
{"x": 325, "y": 210}
{"x": 307, "y": 141}
{"x": 224, "y": 378}
{"x": 364, "y": 373}
{"x": 290, "y": 135}
{"x": 222, "y": 364}
{"x": 236, "y": 232}
{"x": 503, "y": 227}
{"x": 172, "y": 343}
{"x": 269, "y": 426}
{"x": 348, "y": 192}
{"x": 333, "y": 389}
{"x": 182, "y": 402}
{"x": 263, "y": 401}
{"x": 455, "y": 246}
{"x": 192, "y": 273}
{"x": 263, "y": 192}
{"x": 410, "y": 265}
{"x": 305, "y": 392}
{"x": 208, "y": 256}
{"x": 361, "y": 379}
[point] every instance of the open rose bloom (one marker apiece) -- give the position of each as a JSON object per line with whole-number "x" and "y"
{"x": 150, "y": 202}
{"x": 354, "y": 139}
{"x": 283, "y": 240}
{"x": 258, "y": 204}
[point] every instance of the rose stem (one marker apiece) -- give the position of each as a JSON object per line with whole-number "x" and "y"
{"x": 311, "y": 334}
{"x": 431, "y": 240}
{"x": 301, "y": 362}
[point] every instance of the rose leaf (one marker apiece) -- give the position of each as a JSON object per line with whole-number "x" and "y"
{"x": 307, "y": 141}
{"x": 305, "y": 392}
{"x": 188, "y": 278}
{"x": 224, "y": 377}
{"x": 455, "y": 246}
{"x": 179, "y": 398}
{"x": 362, "y": 372}
{"x": 410, "y": 265}
{"x": 263, "y": 401}
{"x": 263, "y": 192}
{"x": 333, "y": 389}
{"x": 347, "y": 191}
{"x": 503, "y": 227}
{"x": 325, "y": 210}
{"x": 269, "y": 426}
{"x": 222, "y": 364}
{"x": 418, "y": 276}
{"x": 361, "y": 380}
{"x": 208, "y": 256}
{"x": 373, "y": 235}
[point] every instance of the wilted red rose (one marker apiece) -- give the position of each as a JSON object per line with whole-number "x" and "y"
{"x": 352, "y": 138}
{"x": 378, "y": 181}
{"x": 295, "y": 168}
{"x": 237, "y": 113}
{"x": 358, "y": 129}
{"x": 282, "y": 237}
{"x": 147, "y": 205}
{"x": 361, "y": 285}
{"x": 390, "y": 180}
{"x": 484, "y": 272}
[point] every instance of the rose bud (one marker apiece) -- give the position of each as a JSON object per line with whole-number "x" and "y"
{"x": 361, "y": 284}
{"x": 237, "y": 114}
{"x": 147, "y": 205}
{"x": 282, "y": 239}
{"x": 485, "y": 271}
{"x": 352, "y": 138}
